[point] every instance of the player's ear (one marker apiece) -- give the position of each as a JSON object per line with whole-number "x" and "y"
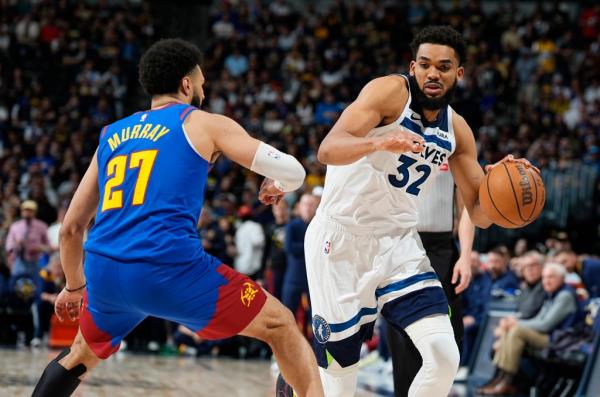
{"x": 186, "y": 85}
{"x": 460, "y": 72}
{"x": 411, "y": 68}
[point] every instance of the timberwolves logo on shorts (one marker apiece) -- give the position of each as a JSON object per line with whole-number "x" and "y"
{"x": 320, "y": 329}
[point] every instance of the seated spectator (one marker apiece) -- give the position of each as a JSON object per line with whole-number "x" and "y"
{"x": 503, "y": 279}
{"x": 558, "y": 308}
{"x": 474, "y": 304}
{"x": 582, "y": 272}
{"x": 327, "y": 110}
{"x": 236, "y": 63}
{"x": 51, "y": 282}
{"x": 532, "y": 293}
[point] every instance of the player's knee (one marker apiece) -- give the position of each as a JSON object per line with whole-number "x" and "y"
{"x": 280, "y": 323}
{"x": 443, "y": 358}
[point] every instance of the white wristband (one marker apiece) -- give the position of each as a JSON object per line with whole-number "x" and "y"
{"x": 284, "y": 169}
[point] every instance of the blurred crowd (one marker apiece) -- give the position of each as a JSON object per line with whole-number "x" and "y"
{"x": 550, "y": 303}
{"x": 531, "y": 88}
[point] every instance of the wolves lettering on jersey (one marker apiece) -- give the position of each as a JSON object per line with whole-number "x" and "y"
{"x": 433, "y": 155}
{"x": 391, "y": 181}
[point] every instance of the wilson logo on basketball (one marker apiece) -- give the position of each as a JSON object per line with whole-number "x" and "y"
{"x": 512, "y": 195}
{"x": 248, "y": 293}
{"x": 526, "y": 193}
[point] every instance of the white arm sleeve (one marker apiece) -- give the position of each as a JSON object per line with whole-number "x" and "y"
{"x": 284, "y": 169}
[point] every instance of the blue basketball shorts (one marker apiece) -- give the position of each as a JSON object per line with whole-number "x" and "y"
{"x": 206, "y": 296}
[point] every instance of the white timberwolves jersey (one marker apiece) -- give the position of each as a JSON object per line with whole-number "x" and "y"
{"x": 381, "y": 190}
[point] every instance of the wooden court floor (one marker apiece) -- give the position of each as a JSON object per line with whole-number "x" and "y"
{"x": 132, "y": 375}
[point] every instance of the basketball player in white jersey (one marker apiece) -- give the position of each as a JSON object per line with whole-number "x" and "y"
{"x": 363, "y": 253}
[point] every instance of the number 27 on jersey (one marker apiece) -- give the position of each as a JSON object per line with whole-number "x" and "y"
{"x": 116, "y": 171}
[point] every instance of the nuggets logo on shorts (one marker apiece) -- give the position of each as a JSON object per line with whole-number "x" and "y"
{"x": 248, "y": 293}
{"x": 321, "y": 329}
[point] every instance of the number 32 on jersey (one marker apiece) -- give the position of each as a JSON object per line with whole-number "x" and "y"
{"x": 401, "y": 180}
{"x": 116, "y": 169}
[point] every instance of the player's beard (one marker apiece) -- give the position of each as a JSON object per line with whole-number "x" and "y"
{"x": 429, "y": 103}
{"x": 196, "y": 101}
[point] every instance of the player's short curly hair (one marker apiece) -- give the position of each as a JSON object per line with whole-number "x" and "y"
{"x": 444, "y": 35}
{"x": 165, "y": 63}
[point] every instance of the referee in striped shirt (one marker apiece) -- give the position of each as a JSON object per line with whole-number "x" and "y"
{"x": 436, "y": 223}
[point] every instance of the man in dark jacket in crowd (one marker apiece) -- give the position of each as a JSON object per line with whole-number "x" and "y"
{"x": 474, "y": 304}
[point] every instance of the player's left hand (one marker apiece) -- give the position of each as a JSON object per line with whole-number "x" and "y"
{"x": 462, "y": 273}
{"x": 68, "y": 304}
{"x": 269, "y": 193}
{"x": 511, "y": 158}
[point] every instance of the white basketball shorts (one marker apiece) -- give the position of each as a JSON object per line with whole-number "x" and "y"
{"x": 355, "y": 273}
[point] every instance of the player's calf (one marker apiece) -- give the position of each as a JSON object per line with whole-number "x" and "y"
{"x": 57, "y": 380}
{"x": 276, "y": 326}
{"x": 63, "y": 374}
{"x": 434, "y": 338}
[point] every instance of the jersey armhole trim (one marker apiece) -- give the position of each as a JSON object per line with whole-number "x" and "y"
{"x": 186, "y": 112}
{"x": 104, "y": 129}
{"x": 189, "y": 141}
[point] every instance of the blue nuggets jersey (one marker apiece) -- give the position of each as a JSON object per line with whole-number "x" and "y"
{"x": 151, "y": 183}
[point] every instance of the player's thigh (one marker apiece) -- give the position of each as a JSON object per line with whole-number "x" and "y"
{"x": 208, "y": 297}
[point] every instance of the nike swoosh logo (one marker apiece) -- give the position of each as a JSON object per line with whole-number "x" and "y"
{"x": 415, "y": 117}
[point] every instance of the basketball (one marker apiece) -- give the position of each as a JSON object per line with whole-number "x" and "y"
{"x": 512, "y": 195}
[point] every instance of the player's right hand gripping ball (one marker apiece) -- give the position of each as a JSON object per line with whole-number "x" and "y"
{"x": 512, "y": 195}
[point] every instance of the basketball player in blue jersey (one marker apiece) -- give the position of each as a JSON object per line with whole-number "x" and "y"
{"x": 363, "y": 252}
{"x": 143, "y": 257}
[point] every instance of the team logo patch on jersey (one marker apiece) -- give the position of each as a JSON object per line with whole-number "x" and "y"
{"x": 321, "y": 329}
{"x": 327, "y": 247}
{"x": 249, "y": 292}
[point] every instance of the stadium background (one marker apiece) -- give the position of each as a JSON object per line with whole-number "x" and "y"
{"x": 285, "y": 70}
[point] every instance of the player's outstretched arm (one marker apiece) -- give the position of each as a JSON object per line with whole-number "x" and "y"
{"x": 78, "y": 217}
{"x": 467, "y": 172}
{"x": 228, "y": 137}
{"x": 379, "y": 99}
